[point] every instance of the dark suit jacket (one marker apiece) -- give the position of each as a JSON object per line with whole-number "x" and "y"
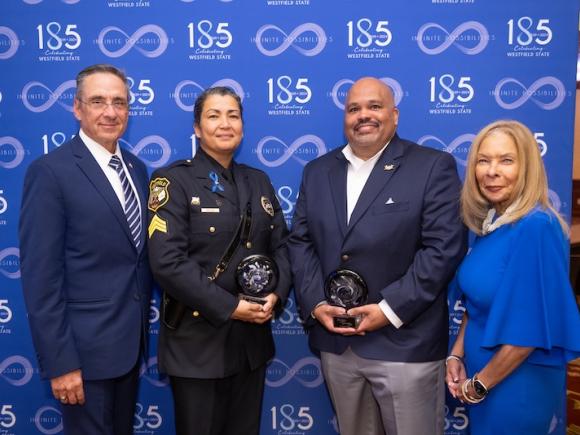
{"x": 86, "y": 285}
{"x": 208, "y": 343}
{"x": 405, "y": 238}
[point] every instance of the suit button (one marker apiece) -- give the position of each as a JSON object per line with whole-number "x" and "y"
{"x": 345, "y": 257}
{"x": 271, "y": 227}
{"x": 195, "y": 313}
{"x": 248, "y": 245}
{"x": 212, "y": 229}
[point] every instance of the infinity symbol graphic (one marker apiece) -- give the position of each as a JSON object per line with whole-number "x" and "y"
{"x": 289, "y": 150}
{"x": 145, "y": 369}
{"x": 392, "y": 83}
{"x": 52, "y": 98}
{"x": 230, "y": 83}
{"x": 555, "y": 200}
{"x": 294, "y": 372}
{"x": 459, "y": 140}
{"x": 528, "y": 94}
{"x": 14, "y": 42}
{"x": 451, "y": 38}
{"x": 18, "y": 152}
{"x": 39, "y": 420}
{"x": 148, "y": 140}
{"x": 35, "y": 2}
{"x": 289, "y": 39}
{"x": 27, "y": 370}
{"x": 10, "y": 252}
{"x": 134, "y": 39}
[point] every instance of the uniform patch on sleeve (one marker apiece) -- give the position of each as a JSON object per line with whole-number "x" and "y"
{"x": 158, "y": 193}
{"x": 157, "y": 224}
{"x": 267, "y": 205}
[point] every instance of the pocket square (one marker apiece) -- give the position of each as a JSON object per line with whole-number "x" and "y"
{"x": 390, "y": 201}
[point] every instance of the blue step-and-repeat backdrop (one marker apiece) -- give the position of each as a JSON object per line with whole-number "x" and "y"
{"x": 454, "y": 65}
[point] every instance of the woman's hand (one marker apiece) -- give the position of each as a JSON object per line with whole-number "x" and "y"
{"x": 251, "y": 312}
{"x": 455, "y": 376}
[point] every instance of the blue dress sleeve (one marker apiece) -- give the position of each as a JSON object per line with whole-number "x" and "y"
{"x": 534, "y": 305}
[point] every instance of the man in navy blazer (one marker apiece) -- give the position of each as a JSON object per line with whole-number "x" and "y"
{"x": 85, "y": 273}
{"x": 387, "y": 209}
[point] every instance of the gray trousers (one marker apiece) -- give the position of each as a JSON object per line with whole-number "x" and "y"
{"x": 373, "y": 397}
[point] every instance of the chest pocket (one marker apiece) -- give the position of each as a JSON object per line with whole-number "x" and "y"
{"x": 395, "y": 207}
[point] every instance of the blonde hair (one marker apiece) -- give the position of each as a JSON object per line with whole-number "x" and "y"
{"x": 531, "y": 187}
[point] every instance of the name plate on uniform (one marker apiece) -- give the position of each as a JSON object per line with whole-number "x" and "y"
{"x": 257, "y": 277}
{"x": 347, "y": 289}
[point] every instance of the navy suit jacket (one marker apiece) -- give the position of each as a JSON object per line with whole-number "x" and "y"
{"x": 405, "y": 238}
{"x": 86, "y": 285}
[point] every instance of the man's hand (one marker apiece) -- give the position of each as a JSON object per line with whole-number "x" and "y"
{"x": 68, "y": 388}
{"x": 252, "y": 312}
{"x": 325, "y": 313}
{"x": 373, "y": 318}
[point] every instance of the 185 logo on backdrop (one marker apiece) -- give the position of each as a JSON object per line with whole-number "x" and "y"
{"x": 6, "y": 315}
{"x": 58, "y": 42}
{"x": 528, "y": 37}
{"x": 286, "y": 2}
{"x": 209, "y": 40}
{"x": 287, "y": 197}
{"x": 128, "y": 4}
{"x": 289, "y": 321}
{"x": 290, "y": 419}
{"x": 146, "y": 420}
{"x": 288, "y": 96}
{"x": 368, "y": 39}
{"x": 450, "y": 95}
{"x": 141, "y": 95}
{"x": 7, "y": 418}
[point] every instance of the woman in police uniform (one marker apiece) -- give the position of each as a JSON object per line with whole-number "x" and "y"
{"x": 215, "y": 352}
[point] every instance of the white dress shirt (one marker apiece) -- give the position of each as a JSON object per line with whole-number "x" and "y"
{"x": 358, "y": 173}
{"x": 103, "y": 157}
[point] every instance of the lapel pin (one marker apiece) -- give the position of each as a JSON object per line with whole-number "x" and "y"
{"x": 195, "y": 200}
{"x": 389, "y": 167}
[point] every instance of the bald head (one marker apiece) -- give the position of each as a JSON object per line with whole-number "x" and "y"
{"x": 370, "y": 116}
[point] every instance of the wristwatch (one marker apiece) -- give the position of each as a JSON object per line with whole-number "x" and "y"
{"x": 479, "y": 387}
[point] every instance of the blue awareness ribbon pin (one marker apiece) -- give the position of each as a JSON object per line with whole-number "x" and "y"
{"x": 217, "y": 187}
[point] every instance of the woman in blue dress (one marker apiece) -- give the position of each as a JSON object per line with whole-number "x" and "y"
{"x": 521, "y": 324}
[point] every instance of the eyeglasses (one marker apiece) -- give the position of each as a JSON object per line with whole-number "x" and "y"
{"x": 99, "y": 105}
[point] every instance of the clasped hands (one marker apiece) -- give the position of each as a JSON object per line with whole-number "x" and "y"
{"x": 372, "y": 318}
{"x": 255, "y": 313}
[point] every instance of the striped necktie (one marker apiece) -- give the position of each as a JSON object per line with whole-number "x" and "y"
{"x": 131, "y": 205}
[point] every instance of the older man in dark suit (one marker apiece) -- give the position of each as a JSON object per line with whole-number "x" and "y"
{"x": 85, "y": 272}
{"x": 386, "y": 209}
